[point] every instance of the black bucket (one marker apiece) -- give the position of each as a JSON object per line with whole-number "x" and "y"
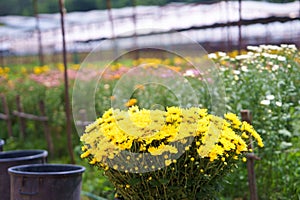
{"x": 1, "y": 144}
{"x": 46, "y": 181}
{"x": 14, "y": 158}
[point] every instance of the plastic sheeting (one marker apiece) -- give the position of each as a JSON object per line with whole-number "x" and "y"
{"x": 19, "y": 34}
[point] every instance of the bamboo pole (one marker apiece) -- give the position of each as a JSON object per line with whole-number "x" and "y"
{"x": 66, "y": 82}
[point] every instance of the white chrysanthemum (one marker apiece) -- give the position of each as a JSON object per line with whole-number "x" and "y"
{"x": 237, "y": 72}
{"x": 221, "y": 54}
{"x": 212, "y": 56}
{"x": 270, "y": 97}
{"x": 265, "y": 102}
{"x": 275, "y": 67}
{"x": 252, "y": 48}
{"x": 244, "y": 68}
{"x": 242, "y": 57}
{"x": 281, "y": 58}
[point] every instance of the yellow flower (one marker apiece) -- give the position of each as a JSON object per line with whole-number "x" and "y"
{"x": 247, "y": 127}
{"x": 244, "y": 135}
{"x": 60, "y": 67}
{"x": 23, "y": 70}
{"x": 202, "y": 112}
{"x": 168, "y": 162}
{"x": 85, "y": 154}
{"x": 93, "y": 161}
{"x": 163, "y": 133}
{"x": 174, "y": 110}
{"x": 131, "y": 102}
{"x": 45, "y": 68}
{"x": 161, "y": 149}
{"x": 141, "y": 118}
{"x": 37, "y": 70}
{"x": 211, "y": 137}
{"x": 115, "y": 167}
{"x": 83, "y": 148}
{"x": 6, "y": 70}
{"x": 75, "y": 66}
{"x": 233, "y": 119}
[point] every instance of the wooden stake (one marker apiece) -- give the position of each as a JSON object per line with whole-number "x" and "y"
{"x": 46, "y": 129}
{"x": 21, "y": 119}
{"x": 6, "y": 116}
{"x": 246, "y": 116}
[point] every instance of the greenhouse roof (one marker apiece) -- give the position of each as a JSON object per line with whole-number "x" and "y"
{"x": 95, "y": 24}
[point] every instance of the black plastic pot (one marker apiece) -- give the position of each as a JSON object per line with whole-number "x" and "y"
{"x": 46, "y": 181}
{"x": 1, "y": 144}
{"x": 14, "y": 158}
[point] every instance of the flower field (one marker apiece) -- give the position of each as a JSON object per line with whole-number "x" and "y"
{"x": 264, "y": 79}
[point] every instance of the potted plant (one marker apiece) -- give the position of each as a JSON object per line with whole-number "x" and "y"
{"x": 173, "y": 154}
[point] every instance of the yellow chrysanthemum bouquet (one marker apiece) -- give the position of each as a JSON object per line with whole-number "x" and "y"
{"x": 173, "y": 154}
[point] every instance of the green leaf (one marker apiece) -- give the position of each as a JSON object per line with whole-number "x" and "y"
{"x": 154, "y": 183}
{"x": 164, "y": 181}
{"x": 134, "y": 181}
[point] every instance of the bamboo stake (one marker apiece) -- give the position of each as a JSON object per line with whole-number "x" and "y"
{"x": 66, "y": 82}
